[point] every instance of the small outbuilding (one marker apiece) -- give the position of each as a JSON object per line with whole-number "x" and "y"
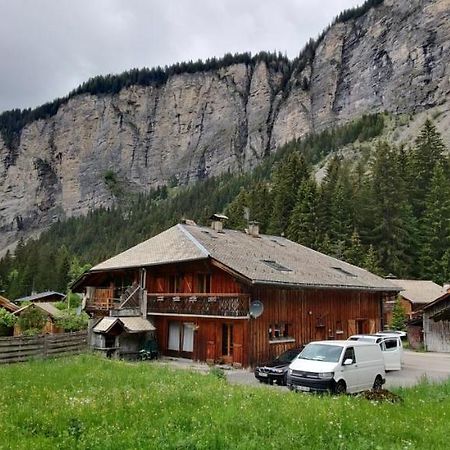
{"x": 122, "y": 336}
{"x": 49, "y": 311}
{"x": 436, "y": 325}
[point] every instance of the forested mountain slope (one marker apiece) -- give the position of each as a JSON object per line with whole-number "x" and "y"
{"x": 189, "y": 122}
{"x": 387, "y": 210}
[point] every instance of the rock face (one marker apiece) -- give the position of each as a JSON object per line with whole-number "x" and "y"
{"x": 393, "y": 58}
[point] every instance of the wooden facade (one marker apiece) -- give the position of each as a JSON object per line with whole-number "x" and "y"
{"x": 436, "y": 325}
{"x": 201, "y": 311}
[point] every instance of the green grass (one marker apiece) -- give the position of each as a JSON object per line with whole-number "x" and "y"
{"x": 89, "y": 402}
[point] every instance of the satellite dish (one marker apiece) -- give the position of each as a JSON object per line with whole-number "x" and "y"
{"x": 256, "y": 308}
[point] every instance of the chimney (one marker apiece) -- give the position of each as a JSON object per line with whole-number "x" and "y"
{"x": 253, "y": 229}
{"x": 217, "y": 221}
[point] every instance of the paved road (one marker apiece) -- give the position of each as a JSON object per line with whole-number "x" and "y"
{"x": 434, "y": 366}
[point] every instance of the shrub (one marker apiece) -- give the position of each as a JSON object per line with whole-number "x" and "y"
{"x": 7, "y": 319}
{"x": 32, "y": 321}
{"x": 71, "y": 321}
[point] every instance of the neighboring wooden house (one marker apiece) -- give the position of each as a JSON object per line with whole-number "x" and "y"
{"x": 6, "y": 304}
{"x": 49, "y": 310}
{"x": 436, "y": 324}
{"x": 414, "y": 295}
{"x": 46, "y": 297}
{"x": 203, "y": 289}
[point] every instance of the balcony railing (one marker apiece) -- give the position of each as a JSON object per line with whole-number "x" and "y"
{"x": 104, "y": 299}
{"x": 231, "y": 305}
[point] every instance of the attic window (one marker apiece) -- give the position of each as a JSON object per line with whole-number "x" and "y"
{"x": 344, "y": 272}
{"x": 274, "y": 265}
{"x": 277, "y": 242}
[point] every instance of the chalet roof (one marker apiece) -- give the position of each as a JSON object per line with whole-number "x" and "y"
{"x": 130, "y": 324}
{"x": 262, "y": 260}
{"x": 6, "y": 304}
{"x": 47, "y": 308}
{"x": 39, "y": 296}
{"x": 419, "y": 291}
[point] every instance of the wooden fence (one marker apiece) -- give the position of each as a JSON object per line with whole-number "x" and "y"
{"x": 23, "y": 348}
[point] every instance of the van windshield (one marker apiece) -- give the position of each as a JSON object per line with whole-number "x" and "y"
{"x": 321, "y": 352}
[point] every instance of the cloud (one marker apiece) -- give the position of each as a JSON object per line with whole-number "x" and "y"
{"x": 48, "y": 47}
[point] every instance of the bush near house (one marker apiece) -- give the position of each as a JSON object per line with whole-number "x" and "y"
{"x": 90, "y": 402}
{"x": 32, "y": 321}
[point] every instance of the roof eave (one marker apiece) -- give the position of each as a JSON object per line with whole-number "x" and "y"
{"x": 325, "y": 286}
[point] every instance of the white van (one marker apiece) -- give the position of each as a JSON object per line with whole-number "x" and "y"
{"x": 337, "y": 366}
{"x": 391, "y": 347}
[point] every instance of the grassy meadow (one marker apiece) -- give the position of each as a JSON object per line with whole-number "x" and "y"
{"x": 87, "y": 402}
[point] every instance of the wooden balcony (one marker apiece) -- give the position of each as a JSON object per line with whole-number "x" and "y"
{"x": 224, "y": 305}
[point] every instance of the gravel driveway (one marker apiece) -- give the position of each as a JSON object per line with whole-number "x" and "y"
{"x": 416, "y": 366}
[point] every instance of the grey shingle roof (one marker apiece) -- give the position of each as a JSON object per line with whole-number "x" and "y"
{"x": 258, "y": 259}
{"x": 173, "y": 244}
{"x": 131, "y": 324}
{"x": 419, "y": 291}
{"x": 31, "y": 298}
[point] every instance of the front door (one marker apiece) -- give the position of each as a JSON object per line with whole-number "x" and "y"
{"x": 227, "y": 342}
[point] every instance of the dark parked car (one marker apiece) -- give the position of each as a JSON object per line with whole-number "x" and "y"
{"x": 276, "y": 370}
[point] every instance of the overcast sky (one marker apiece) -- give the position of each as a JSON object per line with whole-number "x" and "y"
{"x": 48, "y": 47}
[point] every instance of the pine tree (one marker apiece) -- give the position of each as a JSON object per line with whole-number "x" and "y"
{"x": 394, "y": 231}
{"x": 428, "y": 151}
{"x": 286, "y": 180}
{"x": 435, "y": 227}
{"x": 398, "y": 316}
{"x": 371, "y": 261}
{"x": 355, "y": 252}
{"x": 303, "y": 220}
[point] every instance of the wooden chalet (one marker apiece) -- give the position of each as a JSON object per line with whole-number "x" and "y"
{"x": 414, "y": 295}
{"x": 220, "y": 295}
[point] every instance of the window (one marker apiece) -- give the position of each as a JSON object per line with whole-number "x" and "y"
{"x": 274, "y": 265}
{"x": 203, "y": 283}
{"x": 279, "y": 331}
{"x": 390, "y": 344}
{"x": 349, "y": 354}
{"x": 344, "y": 272}
{"x": 175, "y": 283}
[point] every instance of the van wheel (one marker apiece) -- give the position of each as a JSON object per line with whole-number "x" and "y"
{"x": 378, "y": 383}
{"x": 341, "y": 387}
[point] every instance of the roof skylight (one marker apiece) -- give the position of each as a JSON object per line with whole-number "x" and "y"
{"x": 274, "y": 265}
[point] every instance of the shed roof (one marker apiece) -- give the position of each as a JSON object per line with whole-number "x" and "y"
{"x": 135, "y": 324}
{"x": 419, "y": 291}
{"x": 261, "y": 260}
{"x": 40, "y": 295}
{"x": 6, "y": 304}
{"x": 47, "y": 308}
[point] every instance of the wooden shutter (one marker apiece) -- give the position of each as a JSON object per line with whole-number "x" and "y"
{"x": 372, "y": 326}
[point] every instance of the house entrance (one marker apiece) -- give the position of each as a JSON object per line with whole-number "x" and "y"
{"x": 227, "y": 342}
{"x": 181, "y": 339}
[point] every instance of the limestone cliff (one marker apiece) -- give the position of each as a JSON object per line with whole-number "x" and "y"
{"x": 393, "y": 58}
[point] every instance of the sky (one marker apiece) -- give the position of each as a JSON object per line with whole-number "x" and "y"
{"x": 48, "y": 47}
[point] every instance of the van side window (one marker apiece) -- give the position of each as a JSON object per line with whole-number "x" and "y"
{"x": 349, "y": 353}
{"x": 391, "y": 344}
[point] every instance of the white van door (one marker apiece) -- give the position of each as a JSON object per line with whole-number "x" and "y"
{"x": 392, "y": 353}
{"x": 351, "y": 373}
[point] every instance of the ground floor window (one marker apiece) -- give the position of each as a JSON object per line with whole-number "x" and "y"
{"x": 181, "y": 337}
